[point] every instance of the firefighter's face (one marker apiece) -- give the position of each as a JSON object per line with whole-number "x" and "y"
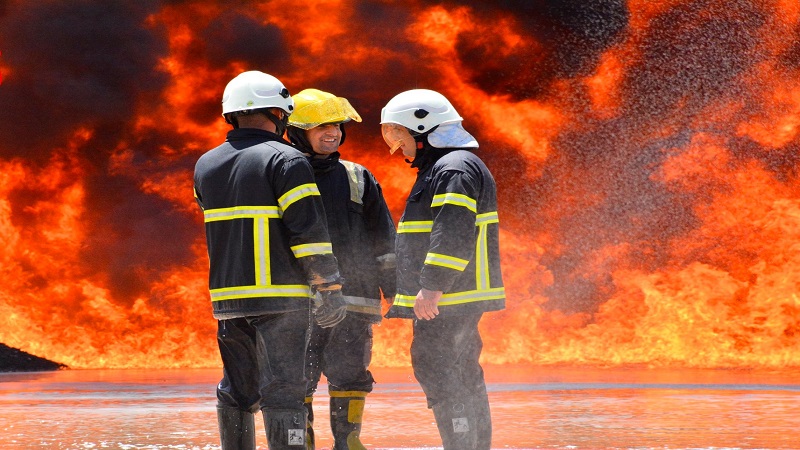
{"x": 397, "y": 137}
{"x": 325, "y": 139}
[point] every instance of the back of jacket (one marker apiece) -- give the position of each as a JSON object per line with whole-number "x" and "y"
{"x": 362, "y": 233}
{"x": 448, "y": 239}
{"x": 264, "y": 223}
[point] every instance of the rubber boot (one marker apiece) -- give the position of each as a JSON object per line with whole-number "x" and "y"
{"x": 483, "y": 421}
{"x": 286, "y": 428}
{"x": 456, "y": 424}
{"x": 237, "y": 429}
{"x": 309, "y": 423}
{"x": 347, "y": 414}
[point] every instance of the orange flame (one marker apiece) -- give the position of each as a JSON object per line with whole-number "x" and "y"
{"x": 645, "y": 159}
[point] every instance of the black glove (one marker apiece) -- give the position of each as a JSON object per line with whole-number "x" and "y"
{"x": 333, "y": 309}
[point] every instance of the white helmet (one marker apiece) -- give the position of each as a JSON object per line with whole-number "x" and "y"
{"x": 255, "y": 90}
{"x": 419, "y": 110}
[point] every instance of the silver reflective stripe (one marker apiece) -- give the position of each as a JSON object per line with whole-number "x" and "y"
{"x": 296, "y": 194}
{"x": 288, "y": 290}
{"x": 453, "y": 198}
{"x": 365, "y": 309}
{"x": 486, "y": 218}
{"x": 316, "y": 248}
{"x": 482, "y": 258}
{"x": 451, "y": 262}
{"x": 363, "y": 304}
{"x": 362, "y": 301}
{"x": 241, "y": 212}
{"x": 482, "y": 280}
{"x": 260, "y": 216}
{"x": 356, "y": 179}
{"x": 415, "y": 226}
{"x": 456, "y": 298}
{"x": 261, "y": 251}
{"x": 425, "y": 226}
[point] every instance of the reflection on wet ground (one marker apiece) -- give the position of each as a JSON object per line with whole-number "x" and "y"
{"x": 533, "y": 408}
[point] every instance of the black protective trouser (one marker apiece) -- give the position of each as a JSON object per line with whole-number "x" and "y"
{"x": 263, "y": 361}
{"x": 343, "y": 354}
{"x": 445, "y": 356}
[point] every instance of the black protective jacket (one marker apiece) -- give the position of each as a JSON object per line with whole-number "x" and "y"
{"x": 362, "y": 232}
{"x": 448, "y": 238}
{"x": 265, "y": 228}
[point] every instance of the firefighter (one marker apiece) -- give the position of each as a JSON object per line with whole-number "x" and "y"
{"x": 448, "y": 261}
{"x": 269, "y": 251}
{"x": 363, "y": 235}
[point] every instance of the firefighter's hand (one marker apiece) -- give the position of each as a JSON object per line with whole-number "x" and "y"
{"x": 333, "y": 309}
{"x": 426, "y": 306}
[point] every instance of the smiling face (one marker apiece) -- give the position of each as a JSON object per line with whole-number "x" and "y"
{"x": 325, "y": 139}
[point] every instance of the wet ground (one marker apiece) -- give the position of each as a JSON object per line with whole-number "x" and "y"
{"x": 533, "y": 408}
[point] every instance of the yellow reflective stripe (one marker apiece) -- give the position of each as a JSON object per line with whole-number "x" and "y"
{"x": 486, "y": 218}
{"x": 415, "y": 226}
{"x": 302, "y": 191}
{"x": 425, "y": 226}
{"x": 260, "y": 216}
{"x": 451, "y": 262}
{"x": 286, "y": 290}
{"x": 342, "y": 394}
{"x": 241, "y": 212}
{"x": 482, "y": 258}
{"x": 261, "y": 252}
{"x": 308, "y": 400}
{"x": 404, "y": 300}
{"x": 456, "y": 298}
{"x": 455, "y": 199}
{"x": 315, "y": 248}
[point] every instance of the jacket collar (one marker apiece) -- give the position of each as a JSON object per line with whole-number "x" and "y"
{"x": 239, "y": 134}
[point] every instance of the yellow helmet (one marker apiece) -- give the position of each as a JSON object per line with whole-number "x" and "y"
{"x": 313, "y": 107}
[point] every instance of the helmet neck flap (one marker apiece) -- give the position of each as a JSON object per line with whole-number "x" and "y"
{"x": 426, "y": 153}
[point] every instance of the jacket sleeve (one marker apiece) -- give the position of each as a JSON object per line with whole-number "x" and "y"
{"x": 303, "y": 215}
{"x": 382, "y": 234}
{"x": 452, "y": 241}
{"x": 197, "y": 198}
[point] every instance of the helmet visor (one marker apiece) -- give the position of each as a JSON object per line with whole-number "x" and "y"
{"x": 397, "y": 136}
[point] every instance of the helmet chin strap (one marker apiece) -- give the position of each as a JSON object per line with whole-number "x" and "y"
{"x": 297, "y": 136}
{"x": 426, "y": 153}
{"x": 422, "y": 153}
{"x": 280, "y": 124}
{"x": 421, "y": 141}
{"x": 231, "y": 119}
